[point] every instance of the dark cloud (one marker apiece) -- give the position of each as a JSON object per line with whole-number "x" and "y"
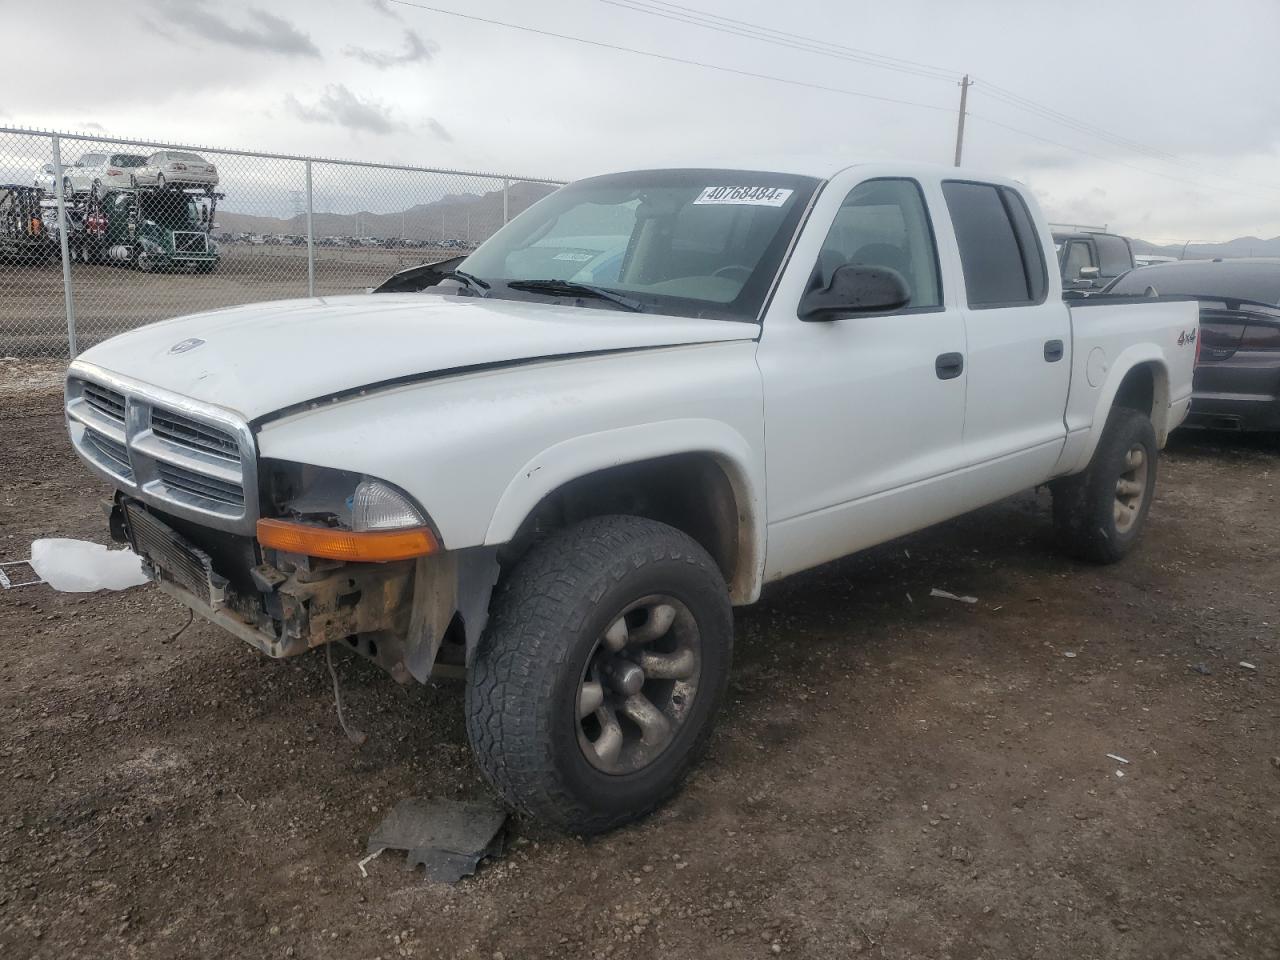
{"x": 385, "y": 8}
{"x": 439, "y": 129}
{"x": 416, "y": 50}
{"x": 339, "y": 106}
{"x": 263, "y": 31}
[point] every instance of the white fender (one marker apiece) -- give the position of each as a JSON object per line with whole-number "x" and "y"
{"x": 583, "y": 455}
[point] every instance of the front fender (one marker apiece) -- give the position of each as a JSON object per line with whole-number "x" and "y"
{"x": 589, "y": 453}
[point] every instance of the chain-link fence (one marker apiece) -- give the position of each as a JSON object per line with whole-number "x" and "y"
{"x": 98, "y": 235}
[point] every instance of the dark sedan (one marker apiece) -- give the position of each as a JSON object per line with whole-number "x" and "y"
{"x": 1237, "y": 379}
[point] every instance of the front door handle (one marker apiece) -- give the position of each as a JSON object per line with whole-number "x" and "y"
{"x": 1053, "y": 350}
{"x": 948, "y": 366}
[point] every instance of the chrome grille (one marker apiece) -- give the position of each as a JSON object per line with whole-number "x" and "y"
{"x": 190, "y": 242}
{"x": 208, "y": 488}
{"x": 185, "y": 432}
{"x": 191, "y": 459}
{"x": 109, "y": 403}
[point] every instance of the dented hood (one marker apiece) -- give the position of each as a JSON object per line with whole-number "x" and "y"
{"x": 257, "y": 359}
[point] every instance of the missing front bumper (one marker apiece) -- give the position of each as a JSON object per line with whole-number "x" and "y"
{"x": 395, "y": 614}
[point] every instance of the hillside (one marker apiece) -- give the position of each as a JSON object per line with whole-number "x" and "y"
{"x": 1240, "y": 247}
{"x": 457, "y": 216}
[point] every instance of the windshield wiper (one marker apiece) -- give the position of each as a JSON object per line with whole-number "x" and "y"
{"x": 571, "y": 288}
{"x": 470, "y": 281}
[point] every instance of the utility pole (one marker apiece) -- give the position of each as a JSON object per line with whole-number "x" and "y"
{"x": 965, "y": 84}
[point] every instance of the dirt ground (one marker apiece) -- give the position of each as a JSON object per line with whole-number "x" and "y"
{"x": 111, "y": 299}
{"x": 895, "y": 776}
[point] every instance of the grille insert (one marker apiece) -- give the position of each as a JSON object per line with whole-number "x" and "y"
{"x": 106, "y": 402}
{"x": 111, "y": 451}
{"x": 185, "y": 432}
{"x": 199, "y": 485}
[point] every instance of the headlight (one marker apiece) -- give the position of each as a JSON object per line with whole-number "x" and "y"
{"x": 340, "y": 515}
{"x": 380, "y": 506}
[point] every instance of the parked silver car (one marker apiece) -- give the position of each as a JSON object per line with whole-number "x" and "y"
{"x": 176, "y": 168}
{"x": 94, "y": 173}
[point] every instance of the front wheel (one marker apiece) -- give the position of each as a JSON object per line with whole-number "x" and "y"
{"x": 596, "y": 685}
{"x": 1099, "y": 514}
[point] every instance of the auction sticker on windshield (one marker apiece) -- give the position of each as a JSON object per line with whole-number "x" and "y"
{"x": 754, "y": 196}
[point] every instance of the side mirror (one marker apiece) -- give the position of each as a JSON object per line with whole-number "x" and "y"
{"x": 1090, "y": 273}
{"x": 48, "y": 168}
{"x": 855, "y": 288}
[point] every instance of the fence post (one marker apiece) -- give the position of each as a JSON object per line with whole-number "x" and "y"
{"x": 311, "y": 239}
{"x": 67, "y": 295}
{"x": 506, "y": 201}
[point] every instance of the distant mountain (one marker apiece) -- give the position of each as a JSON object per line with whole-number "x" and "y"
{"x": 1239, "y": 247}
{"x": 466, "y": 216}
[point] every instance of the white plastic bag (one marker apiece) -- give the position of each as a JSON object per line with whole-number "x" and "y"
{"x": 77, "y": 566}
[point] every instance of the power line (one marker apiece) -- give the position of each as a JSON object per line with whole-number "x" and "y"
{"x": 669, "y": 58}
{"x": 600, "y": 44}
{"x": 1112, "y": 160}
{"x": 780, "y": 37}
{"x": 735, "y": 27}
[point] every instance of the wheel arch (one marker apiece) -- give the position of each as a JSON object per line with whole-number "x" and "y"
{"x": 696, "y": 475}
{"x": 1138, "y": 380}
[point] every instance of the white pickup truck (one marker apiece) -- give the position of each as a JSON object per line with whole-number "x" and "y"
{"x": 642, "y": 400}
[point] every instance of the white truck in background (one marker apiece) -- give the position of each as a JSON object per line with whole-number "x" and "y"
{"x": 643, "y": 399}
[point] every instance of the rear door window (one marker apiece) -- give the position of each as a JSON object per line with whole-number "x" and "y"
{"x": 1114, "y": 257}
{"x": 1000, "y": 251}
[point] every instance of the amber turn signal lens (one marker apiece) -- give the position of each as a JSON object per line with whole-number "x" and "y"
{"x": 373, "y": 546}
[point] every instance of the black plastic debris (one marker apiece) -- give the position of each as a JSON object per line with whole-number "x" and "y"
{"x": 447, "y": 838}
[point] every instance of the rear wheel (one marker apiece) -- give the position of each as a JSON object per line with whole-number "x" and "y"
{"x": 1099, "y": 514}
{"x": 595, "y": 687}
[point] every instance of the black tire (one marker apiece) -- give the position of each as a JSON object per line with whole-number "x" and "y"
{"x": 1086, "y": 506}
{"x": 548, "y": 616}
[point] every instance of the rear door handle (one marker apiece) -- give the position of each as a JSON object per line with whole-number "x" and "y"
{"x": 948, "y": 366}
{"x": 1053, "y": 350}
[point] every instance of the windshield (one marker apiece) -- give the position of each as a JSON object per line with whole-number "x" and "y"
{"x": 127, "y": 160}
{"x": 1207, "y": 279}
{"x": 168, "y": 209}
{"x": 698, "y": 243}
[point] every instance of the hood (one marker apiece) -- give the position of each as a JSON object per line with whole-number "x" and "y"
{"x": 257, "y": 359}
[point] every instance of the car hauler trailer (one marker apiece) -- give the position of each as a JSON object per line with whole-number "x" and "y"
{"x": 24, "y": 236}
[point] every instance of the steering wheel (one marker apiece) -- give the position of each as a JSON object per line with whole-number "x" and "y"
{"x": 732, "y": 268}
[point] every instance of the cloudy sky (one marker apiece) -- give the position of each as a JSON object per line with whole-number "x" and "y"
{"x": 1161, "y": 119}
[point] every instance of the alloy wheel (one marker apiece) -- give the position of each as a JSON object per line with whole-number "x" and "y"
{"x": 1131, "y": 488}
{"x": 639, "y": 685}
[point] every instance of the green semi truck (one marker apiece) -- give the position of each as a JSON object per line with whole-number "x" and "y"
{"x": 158, "y": 228}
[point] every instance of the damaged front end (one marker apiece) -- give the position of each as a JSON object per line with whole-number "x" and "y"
{"x": 413, "y": 616}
